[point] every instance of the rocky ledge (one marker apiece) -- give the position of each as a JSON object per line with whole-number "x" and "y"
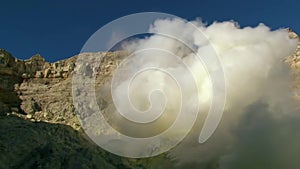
{"x": 41, "y": 91}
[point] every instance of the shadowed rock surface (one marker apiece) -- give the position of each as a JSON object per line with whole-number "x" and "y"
{"x": 28, "y": 145}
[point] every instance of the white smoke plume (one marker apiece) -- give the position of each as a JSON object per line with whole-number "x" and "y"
{"x": 259, "y": 103}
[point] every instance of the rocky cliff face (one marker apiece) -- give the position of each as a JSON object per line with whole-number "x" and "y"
{"x": 41, "y": 91}
{"x": 35, "y": 89}
{"x": 38, "y": 124}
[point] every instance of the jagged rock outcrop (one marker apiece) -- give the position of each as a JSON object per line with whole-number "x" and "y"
{"x": 42, "y": 91}
{"x": 28, "y": 86}
{"x": 294, "y": 62}
{"x": 10, "y": 69}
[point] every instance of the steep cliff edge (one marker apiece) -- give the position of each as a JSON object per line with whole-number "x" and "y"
{"x": 41, "y": 91}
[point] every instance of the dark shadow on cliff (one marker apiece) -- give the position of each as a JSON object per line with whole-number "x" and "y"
{"x": 25, "y": 144}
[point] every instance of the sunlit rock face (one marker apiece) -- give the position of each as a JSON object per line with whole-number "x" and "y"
{"x": 41, "y": 91}
{"x": 294, "y": 62}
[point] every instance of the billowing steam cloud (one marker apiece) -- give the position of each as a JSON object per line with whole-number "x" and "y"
{"x": 259, "y": 128}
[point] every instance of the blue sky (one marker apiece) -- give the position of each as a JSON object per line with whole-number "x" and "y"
{"x": 58, "y": 29}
